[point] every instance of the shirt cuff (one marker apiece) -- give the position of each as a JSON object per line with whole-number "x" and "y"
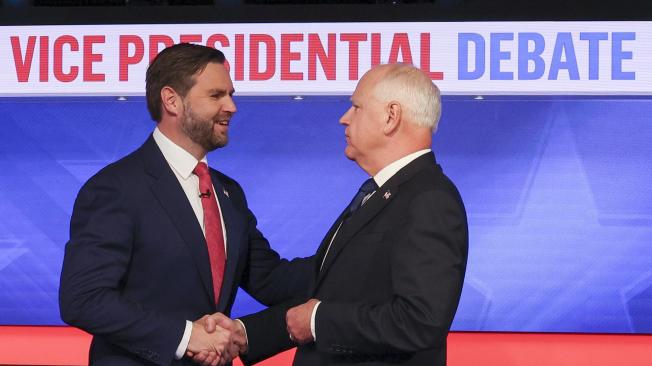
{"x": 312, "y": 321}
{"x": 183, "y": 345}
{"x": 245, "y": 332}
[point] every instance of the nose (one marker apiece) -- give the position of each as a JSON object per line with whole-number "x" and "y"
{"x": 230, "y": 105}
{"x": 344, "y": 120}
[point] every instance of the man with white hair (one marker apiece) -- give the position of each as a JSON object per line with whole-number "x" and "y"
{"x": 388, "y": 275}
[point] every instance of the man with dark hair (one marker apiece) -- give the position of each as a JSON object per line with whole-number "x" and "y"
{"x": 175, "y": 67}
{"x": 158, "y": 239}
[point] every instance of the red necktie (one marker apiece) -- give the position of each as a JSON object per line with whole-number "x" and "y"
{"x": 212, "y": 227}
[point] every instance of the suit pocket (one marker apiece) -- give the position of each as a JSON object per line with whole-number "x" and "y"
{"x": 367, "y": 238}
{"x": 365, "y": 243}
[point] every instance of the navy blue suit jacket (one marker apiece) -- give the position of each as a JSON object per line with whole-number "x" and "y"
{"x": 136, "y": 266}
{"x": 390, "y": 282}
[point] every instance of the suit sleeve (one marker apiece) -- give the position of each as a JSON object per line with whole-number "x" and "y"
{"x": 267, "y": 277}
{"x": 427, "y": 271}
{"x": 96, "y": 261}
{"x": 273, "y": 280}
{"x": 267, "y": 333}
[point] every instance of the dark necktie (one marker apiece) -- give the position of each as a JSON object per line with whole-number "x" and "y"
{"x": 366, "y": 188}
{"x": 212, "y": 227}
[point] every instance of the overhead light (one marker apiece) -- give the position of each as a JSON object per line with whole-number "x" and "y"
{"x": 478, "y": 97}
{"x": 298, "y": 97}
{"x": 122, "y": 99}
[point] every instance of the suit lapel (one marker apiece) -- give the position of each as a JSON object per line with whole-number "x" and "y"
{"x": 376, "y": 203}
{"x": 233, "y": 227}
{"x": 321, "y": 251}
{"x": 170, "y": 195}
{"x": 355, "y": 223}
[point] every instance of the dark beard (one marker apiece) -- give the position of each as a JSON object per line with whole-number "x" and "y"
{"x": 200, "y": 130}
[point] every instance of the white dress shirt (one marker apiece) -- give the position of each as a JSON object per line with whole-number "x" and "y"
{"x": 380, "y": 178}
{"x": 182, "y": 164}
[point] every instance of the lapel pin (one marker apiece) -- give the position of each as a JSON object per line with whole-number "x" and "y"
{"x": 226, "y": 193}
{"x": 387, "y": 195}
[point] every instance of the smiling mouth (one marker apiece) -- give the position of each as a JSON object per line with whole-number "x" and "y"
{"x": 223, "y": 123}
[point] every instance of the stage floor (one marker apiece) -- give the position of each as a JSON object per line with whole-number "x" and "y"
{"x": 20, "y": 345}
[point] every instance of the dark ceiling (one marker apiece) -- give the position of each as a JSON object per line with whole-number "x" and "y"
{"x": 219, "y": 11}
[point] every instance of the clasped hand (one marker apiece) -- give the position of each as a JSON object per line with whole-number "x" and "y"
{"x": 297, "y": 320}
{"x": 216, "y": 340}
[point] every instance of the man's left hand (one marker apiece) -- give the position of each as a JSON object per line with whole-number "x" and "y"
{"x": 298, "y": 322}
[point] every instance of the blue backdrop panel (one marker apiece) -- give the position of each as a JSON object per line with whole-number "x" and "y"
{"x": 557, "y": 191}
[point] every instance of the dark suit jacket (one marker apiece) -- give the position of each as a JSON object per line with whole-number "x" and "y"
{"x": 391, "y": 281}
{"x": 136, "y": 266}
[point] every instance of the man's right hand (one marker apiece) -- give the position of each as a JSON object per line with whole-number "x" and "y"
{"x": 210, "y": 348}
{"x": 239, "y": 334}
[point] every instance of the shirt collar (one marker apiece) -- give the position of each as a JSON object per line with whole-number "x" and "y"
{"x": 387, "y": 172}
{"x": 181, "y": 161}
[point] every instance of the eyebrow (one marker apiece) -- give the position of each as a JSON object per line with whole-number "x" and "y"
{"x": 220, "y": 91}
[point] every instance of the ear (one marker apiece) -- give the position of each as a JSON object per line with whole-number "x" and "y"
{"x": 394, "y": 115}
{"x": 171, "y": 102}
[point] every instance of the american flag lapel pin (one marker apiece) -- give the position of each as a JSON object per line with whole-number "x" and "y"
{"x": 387, "y": 195}
{"x": 226, "y": 193}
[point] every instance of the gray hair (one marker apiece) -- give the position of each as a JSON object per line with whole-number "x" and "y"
{"x": 412, "y": 88}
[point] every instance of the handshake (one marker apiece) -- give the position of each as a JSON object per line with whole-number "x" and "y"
{"x": 216, "y": 340}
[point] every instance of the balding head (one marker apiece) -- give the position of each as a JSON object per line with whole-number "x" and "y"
{"x": 412, "y": 88}
{"x": 395, "y": 109}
